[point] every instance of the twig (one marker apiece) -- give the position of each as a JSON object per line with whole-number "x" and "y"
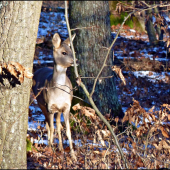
{"x": 94, "y": 85}
{"x": 82, "y": 28}
{"x": 43, "y": 88}
{"x": 95, "y": 77}
{"x": 146, "y": 144}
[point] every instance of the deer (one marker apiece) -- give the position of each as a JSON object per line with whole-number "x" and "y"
{"x": 56, "y": 90}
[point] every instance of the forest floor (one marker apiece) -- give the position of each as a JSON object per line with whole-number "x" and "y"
{"x": 145, "y": 100}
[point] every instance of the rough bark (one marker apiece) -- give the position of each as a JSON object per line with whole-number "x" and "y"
{"x": 159, "y": 31}
{"x": 150, "y": 28}
{"x": 18, "y": 29}
{"x": 90, "y": 46}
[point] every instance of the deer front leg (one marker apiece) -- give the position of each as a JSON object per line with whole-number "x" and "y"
{"x": 59, "y": 126}
{"x": 68, "y": 132}
{"x": 50, "y": 128}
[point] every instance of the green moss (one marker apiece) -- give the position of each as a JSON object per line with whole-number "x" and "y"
{"x": 118, "y": 20}
{"x": 29, "y": 145}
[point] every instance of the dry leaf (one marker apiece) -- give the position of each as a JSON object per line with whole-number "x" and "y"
{"x": 17, "y": 70}
{"x": 116, "y": 119}
{"x": 88, "y": 112}
{"x": 153, "y": 117}
{"x": 27, "y": 74}
{"x": 105, "y": 152}
{"x": 159, "y": 147}
{"x": 151, "y": 110}
{"x": 164, "y": 144}
{"x": 21, "y": 78}
{"x": 76, "y": 107}
{"x": 164, "y": 132}
{"x": 100, "y": 137}
{"x": 169, "y": 117}
{"x": 119, "y": 73}
{"x": 94, "y": 160}
{"x": 11, "y": 69}
{"x": 106, "y": 133}
{"x": 18, "y": 66}
{"x": 96, "y": 152}
{"x": 167, "y": 45}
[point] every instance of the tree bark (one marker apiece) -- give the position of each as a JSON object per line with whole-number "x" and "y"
{"x": 91, "y": 45}
{"x": 150, "y": 28}
{"x": 159, "y": 31}
{"x": 18, "y": 29}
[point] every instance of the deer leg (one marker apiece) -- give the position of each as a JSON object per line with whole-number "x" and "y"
{"x": 50, "y": 128}
{"x": 47, "y": 118}
{"x": 68, "y": 132}
{"x": 59, "y": 126}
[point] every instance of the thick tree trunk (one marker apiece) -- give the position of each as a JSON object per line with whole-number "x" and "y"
{"x": 18, "y": 29}
{"x": 91, "y": 45}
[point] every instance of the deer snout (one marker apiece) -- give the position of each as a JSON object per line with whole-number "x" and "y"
{"x": 76, "y": 63}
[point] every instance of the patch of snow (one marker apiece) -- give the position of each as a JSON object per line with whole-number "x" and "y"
{"x": 34, "y": 109}
{"x": 40, "y": 117}
{"x": 51, "y": 21}
{"x": 42, "y": 61}
{"x": 155, "y": 76}
{"x": 153, "y": 19}
{"x": 142, "y": 168}
{"x": 42, "y": 56}
{"x": 132, "y": 30}
{"x": 41, "y": 141}
{"x": 132, "y": 52}
{"x": 32, "y": 126}
{"x": 124, "y": 109}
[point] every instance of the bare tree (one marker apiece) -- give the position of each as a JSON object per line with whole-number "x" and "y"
{"x": 19, "y": 26}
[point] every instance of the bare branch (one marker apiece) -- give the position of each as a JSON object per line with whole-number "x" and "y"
{"x": 104, "y": 63}
{"x": 95, "y": 77}
{"x": 82, "y": 28}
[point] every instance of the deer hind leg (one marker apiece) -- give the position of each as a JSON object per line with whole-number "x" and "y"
{"x": 47, "y": 120}
{"x": 48, "y": 130}
{"x": 68, "y": 132}
{"x": 59, "y": 127}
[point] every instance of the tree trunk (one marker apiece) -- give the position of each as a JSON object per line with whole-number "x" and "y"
{"x": 159, "y": 31}
{"x": 150, "y": 28}
{"x": 18, "y": 28}
{"x": 91, "y": 45}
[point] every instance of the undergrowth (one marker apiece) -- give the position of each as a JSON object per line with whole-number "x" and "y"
{"x": 118, "y": 20}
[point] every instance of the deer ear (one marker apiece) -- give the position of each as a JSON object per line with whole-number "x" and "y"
{"x": 56, "y": 40}
{"x": 67, "y": 41}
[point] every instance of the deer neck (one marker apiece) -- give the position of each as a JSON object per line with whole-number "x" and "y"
{"x": 59, "y": 75}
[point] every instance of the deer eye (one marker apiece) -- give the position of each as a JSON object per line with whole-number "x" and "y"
{"x": 64, "y": 53}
